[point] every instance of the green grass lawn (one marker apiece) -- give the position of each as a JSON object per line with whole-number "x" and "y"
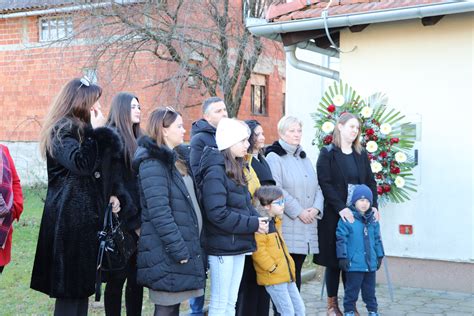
{"x": 15, "y": 292}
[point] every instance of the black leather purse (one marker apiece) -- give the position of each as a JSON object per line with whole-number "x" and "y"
{"x": 116, "y": 246}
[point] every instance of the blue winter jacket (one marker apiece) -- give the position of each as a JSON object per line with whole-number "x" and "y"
{"x": 360, "y": 242}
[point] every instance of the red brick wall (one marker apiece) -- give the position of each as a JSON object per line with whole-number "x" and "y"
{"x": 31, "y": 77}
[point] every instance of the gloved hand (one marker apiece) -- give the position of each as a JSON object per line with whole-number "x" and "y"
{"x": 379, "y": 262}
{"x": 344, "y": 264}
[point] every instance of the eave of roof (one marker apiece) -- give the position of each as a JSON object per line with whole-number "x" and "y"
{"x": 273, "y": 30}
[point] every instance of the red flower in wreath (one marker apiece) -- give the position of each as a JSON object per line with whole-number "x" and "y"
{"x": 369, "y": 132}
{"x": 379, "y": 190}
{"x": 383, "y": 154}
{"x": 386, "y": 188}
{"x": 394, "y": 140}
{"x": 395, "y": 170}
{"x": 327, "y": 140}
{"x": 331, "y": 108}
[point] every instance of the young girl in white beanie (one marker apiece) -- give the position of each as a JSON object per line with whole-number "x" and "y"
{"x": 230, "y": 220}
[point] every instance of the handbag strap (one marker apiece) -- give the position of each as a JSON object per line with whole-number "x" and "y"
{"x": 100, "y": 255}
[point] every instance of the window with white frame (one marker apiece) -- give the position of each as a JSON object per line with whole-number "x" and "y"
{"x": 55, "y": 28}
{"x": 258, "y": 94}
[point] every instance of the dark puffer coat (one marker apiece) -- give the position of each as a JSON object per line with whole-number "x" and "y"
{"x": 230, "y": 220}
{"x": 202, "y": 134}
{"x": 80, "y": 183}
{"x": 169, "y": 231}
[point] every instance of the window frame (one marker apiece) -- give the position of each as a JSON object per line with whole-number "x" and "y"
{"x": 68, "y": 27}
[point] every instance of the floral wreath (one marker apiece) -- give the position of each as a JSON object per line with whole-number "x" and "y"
{"x": 386, "y": 139}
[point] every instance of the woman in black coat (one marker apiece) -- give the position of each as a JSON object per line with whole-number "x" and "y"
{"x": 340, "y": 165}
{"x": 170, "y": 259}
{"x": 79, "y": 159}
{"x": 124, "y": 118}
{"x": 253, "y": 299}
{"x": 230, "y": 218}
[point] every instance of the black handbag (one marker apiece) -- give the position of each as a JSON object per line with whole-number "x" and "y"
{"x": 116, "y": 246}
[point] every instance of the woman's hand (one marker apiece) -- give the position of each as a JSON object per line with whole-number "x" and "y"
{"x": 97, "y": 118}
{"x": 346, "y": 215}
{"x": 306, "y": 216}
{"x": 115, "y": 204}
{"x": 376, "y": 214}
{"x": 262, "y": 225}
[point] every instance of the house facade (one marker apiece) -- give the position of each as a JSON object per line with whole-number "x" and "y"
{"x": 34, "y": 66}
{"x": 421, "y": 54}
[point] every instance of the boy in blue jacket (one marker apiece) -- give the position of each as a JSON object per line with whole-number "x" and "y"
{"x": 360, "y": 251}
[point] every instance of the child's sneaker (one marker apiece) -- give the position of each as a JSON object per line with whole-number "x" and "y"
{"x": 373, "y": 314}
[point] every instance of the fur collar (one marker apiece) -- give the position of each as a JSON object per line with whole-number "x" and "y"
{"x": 280, "y": 151}
{"x": 149, "y": 149}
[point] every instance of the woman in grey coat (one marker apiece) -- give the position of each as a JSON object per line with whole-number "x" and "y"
{"x": 294, "y": 173}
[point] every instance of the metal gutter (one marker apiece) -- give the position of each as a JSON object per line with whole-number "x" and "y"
{"x": 308, "y": 67}
{"x": 260, "y": 27}
{"x": 272, "y": 30}
{"x": 69, "y": 9}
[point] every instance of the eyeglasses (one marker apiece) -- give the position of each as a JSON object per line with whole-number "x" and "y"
{"x": 84, "y": 82}
{"x": 279, "y": 202}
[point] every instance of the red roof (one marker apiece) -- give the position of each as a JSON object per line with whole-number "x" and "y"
{"x": 299, "y": 9}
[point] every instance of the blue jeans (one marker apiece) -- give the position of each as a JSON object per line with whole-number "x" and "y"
{"x": 196, "y": 304}
{"x": 286, "y": 298}
{"x": 226, "y": 273}
{"x": 355, "y": 282}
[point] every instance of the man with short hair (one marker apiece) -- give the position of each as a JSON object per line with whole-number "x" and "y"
{"x": 203, "y": 133}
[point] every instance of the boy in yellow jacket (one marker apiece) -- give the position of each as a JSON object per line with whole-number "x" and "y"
{"x": 274, "y": 266}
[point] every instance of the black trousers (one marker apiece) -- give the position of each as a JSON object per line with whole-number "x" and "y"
{"x": 253, "y": 299}
{"x": 355, "y": 282}
{"x": 133, "y": 291}
{"x": 333, "y": 276}
{"x": 71, "y": 306}
{"x": 172, "y": 310}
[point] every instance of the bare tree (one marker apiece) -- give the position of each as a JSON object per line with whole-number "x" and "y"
{"x": 205, "y": 40}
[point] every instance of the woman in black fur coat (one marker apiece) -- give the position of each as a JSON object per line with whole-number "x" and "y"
{"x": 79, "y": 156}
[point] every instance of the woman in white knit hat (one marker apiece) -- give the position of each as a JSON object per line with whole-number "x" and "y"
{"x": 230, "y": 219}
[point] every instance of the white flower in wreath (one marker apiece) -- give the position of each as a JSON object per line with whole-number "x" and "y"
{"x": 338, "y": 100}
{"x": 371, "y": 146}
{"x": 366, "y": 112}
{"x": 385, "y": 128}
{"x": 399, "y": 182}
{"x": 328, "y": 127}
{"x": 400, "y": 157}
{"x": 376, "y": 166}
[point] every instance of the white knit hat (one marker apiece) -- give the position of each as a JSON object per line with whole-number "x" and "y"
{"x": 229, "y": 132}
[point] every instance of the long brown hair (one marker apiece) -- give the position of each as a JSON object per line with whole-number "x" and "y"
{"x": 72, "y": 106}
{"x": 158, "y": 120}
{"x": 234, "y": 167}
{"x": 120, "y": 118}
{"x": 337, "y": 134}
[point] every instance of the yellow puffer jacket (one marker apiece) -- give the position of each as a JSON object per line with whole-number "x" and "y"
{"x": 252, "y": 179}
{"x": 272, "y": 260}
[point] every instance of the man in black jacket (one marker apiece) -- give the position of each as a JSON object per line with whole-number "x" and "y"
{"x": 203, "y": 133}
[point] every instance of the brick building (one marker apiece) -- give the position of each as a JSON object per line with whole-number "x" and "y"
{"x": 33, "y": 68}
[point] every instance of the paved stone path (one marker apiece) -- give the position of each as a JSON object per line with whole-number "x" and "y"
{"x": 406, "y": 301}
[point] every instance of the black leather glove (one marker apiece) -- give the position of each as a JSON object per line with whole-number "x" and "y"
{"x": 344, "y": 264}
{"x": 379, "y": 262}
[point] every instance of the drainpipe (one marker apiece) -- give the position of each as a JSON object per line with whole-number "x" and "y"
{"x": 66, "y": 9}
{"x": 305, "y": 66}
{"x": 314, "y": 48}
